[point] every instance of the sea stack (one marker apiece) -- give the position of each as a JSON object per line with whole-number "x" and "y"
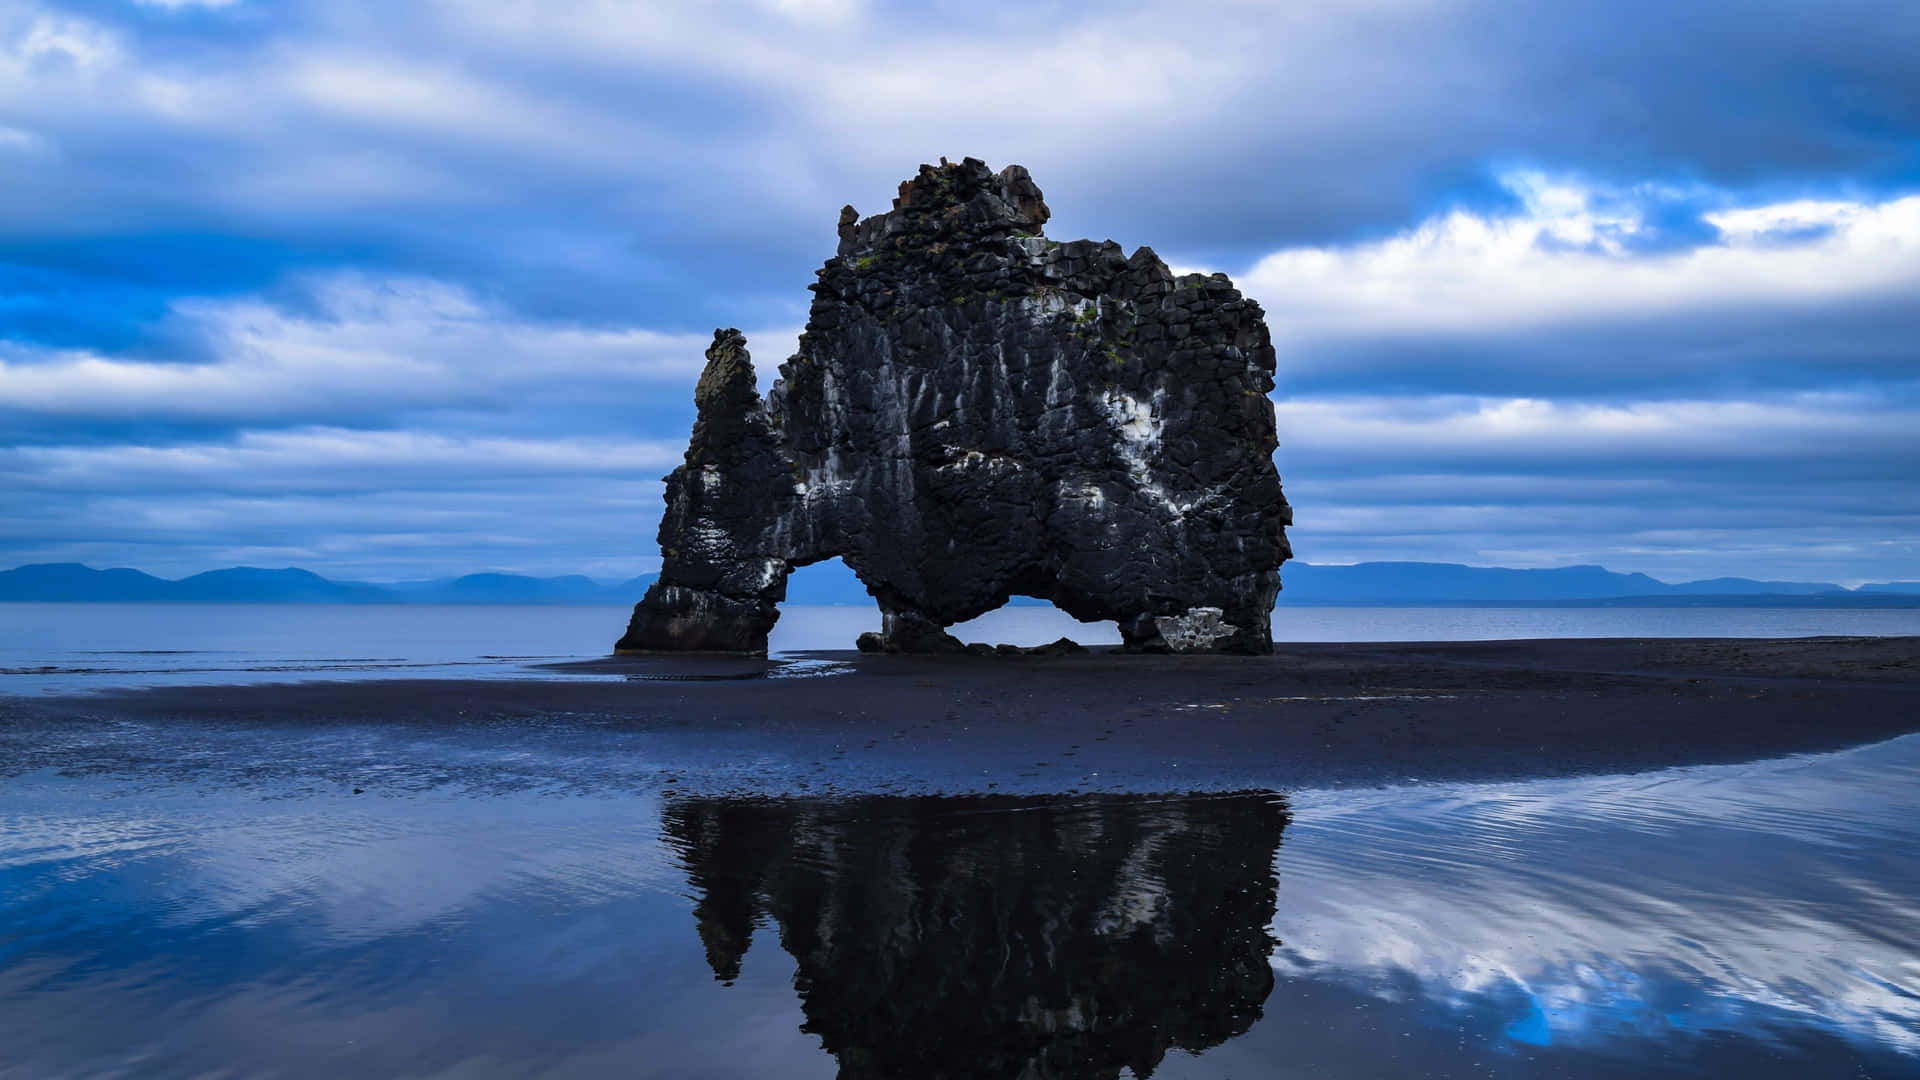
{"x": 977, "y": 412}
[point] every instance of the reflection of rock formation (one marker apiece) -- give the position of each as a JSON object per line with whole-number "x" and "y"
{"x": 977, "y": 412}
{"x": 999, "y": 937}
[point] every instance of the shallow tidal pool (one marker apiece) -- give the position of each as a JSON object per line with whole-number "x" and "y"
{"x": 531, "y": 912}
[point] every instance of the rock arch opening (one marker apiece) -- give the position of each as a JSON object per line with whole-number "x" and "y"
{"x": 1028, "y": 622}
{"x": 829, "y": 582}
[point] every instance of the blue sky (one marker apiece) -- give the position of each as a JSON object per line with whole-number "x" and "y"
{"x": 393, "y": 290}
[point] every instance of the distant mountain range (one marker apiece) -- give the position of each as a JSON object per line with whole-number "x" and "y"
{"x": 72, "y": 582}
{"x": 1450, "y": 584}
{"x": 1307, "y": 585}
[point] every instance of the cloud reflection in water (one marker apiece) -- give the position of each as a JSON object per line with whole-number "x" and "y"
{"x": 1760, "y": 918}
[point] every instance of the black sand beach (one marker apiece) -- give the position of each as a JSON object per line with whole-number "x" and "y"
{"x": 1313, "y": 715}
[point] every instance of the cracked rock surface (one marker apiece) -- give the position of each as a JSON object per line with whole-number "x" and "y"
{"x": 976, "y": 411}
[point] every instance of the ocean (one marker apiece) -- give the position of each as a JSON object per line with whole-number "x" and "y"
{"x": 57, "y": 648}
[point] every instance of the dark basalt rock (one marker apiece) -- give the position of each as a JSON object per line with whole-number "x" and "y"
{"x": 977, "y": 412}
{"x": 988, "y": 937}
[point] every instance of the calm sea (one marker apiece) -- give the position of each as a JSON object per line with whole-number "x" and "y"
{"x": 54, "y": 648}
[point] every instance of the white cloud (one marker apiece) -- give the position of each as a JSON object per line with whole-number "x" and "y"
{"x": 884, "y": 94}
{"x": 19, "y": 141}
{"x": 382, "y": 504}
{"x": 331, "y": 459}
{"x": 1495, "y": 429}
{"x": 369, "y": 345}
{"x": 425, "y": 521}
{"x": 401, "y": 94}
{"x": 1812, "y": 486}
{"x": 84, "y": 45}
{"x": 833, "y": 12}
{"x": 1569, "y": 260}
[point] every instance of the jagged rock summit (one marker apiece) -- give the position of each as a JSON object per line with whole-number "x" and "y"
{"x": 976, "y": 412}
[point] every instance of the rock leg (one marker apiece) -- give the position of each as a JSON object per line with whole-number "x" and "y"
{"x": 907, "y": 631}
{"x": 1243, "y": 629}
{"x": 679, "y": 618}
{"x": 1140, "y": 634}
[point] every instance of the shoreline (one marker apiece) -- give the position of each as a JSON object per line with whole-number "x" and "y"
{"x": 1334, "y": 714}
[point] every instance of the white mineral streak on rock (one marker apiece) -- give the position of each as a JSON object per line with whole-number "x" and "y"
{"x": 771, "y": 572}
{"x": 709, "y": 535}
{"x": 1195, "y": 631}
{"x": 1138, "y": 425}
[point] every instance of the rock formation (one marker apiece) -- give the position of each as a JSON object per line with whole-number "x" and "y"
{"x": 976, "y": 412}
{"x": 1010, "y": 937}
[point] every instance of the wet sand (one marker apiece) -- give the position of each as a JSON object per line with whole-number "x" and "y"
{"x": 1310, "y": 715}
